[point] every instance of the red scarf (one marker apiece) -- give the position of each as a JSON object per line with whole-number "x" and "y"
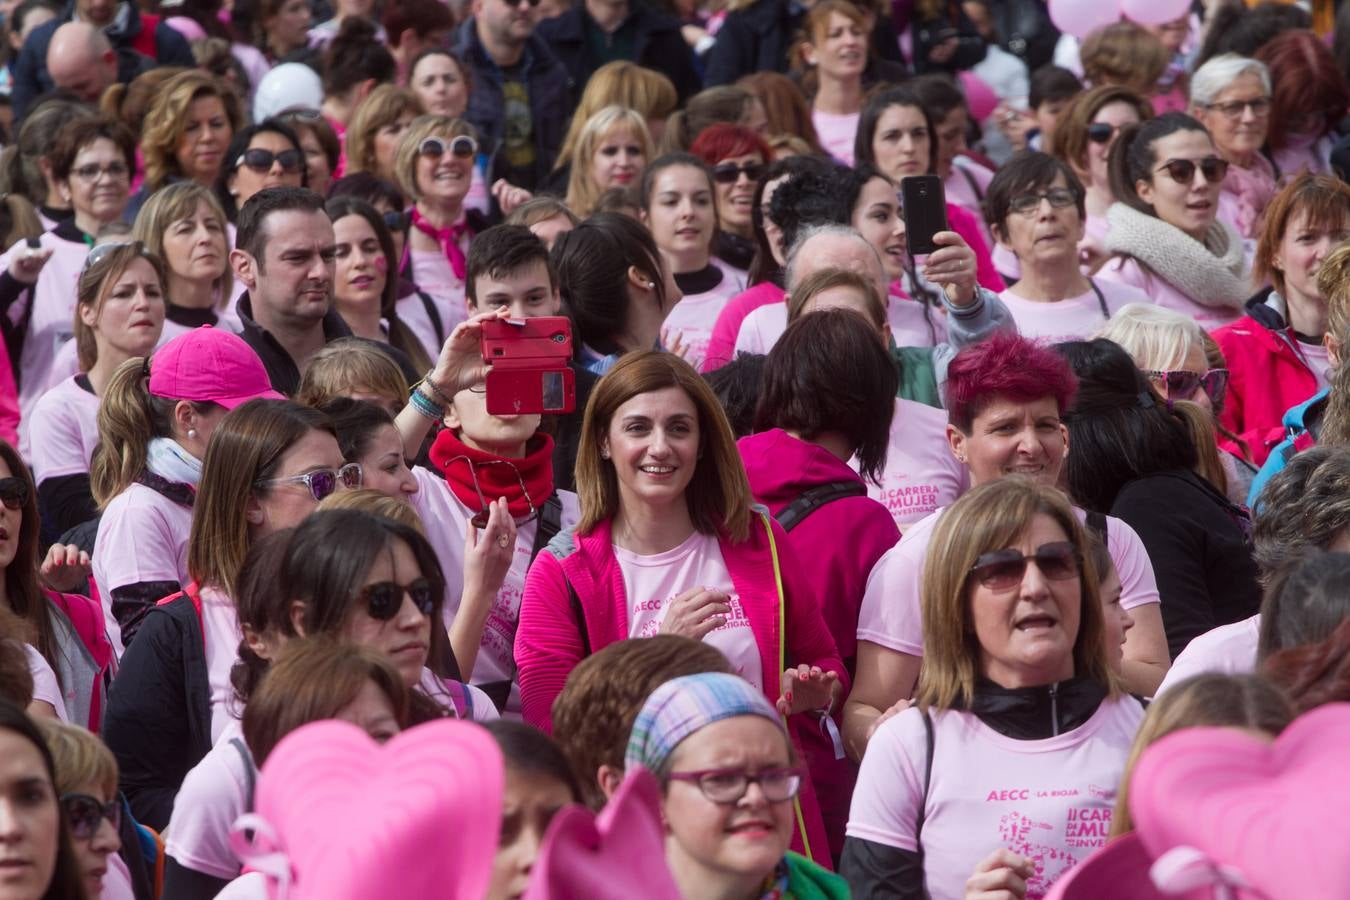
{"x": 449, "y": 453}
{"x": 448, "y": 238}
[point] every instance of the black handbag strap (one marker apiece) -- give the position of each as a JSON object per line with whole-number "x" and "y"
{"x": 814, "y": 498}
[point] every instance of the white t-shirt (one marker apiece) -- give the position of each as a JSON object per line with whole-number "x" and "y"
{"x": 921, "y": 475}
{"x": 45, "y": 686}
{"x": 214, "y": 793}
{"x": 1073, "y": 318}
{"x": 892, "y": 611}
{"x": 837, "y": 134}
{"x": 1049, "y": 800}
{"x": 220, "y": 621}
{"x": 142, "y": 537}
{"x": 652, "y": 582}
{"x": 1227, "y": 650}
{"x": 692, "y": 319}
{"x": 63, "y": 431}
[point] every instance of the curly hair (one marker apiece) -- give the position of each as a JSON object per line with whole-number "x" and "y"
{"x": 167, "y": 121}
{"x": 1303, "y": 507}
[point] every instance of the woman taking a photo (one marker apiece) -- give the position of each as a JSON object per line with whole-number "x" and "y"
{"x": 1015, "y": 686}
{"x": 668, "y": 542}
{"x": 1165, "y": 235}
{"x": 1230, "y": 96}
{"x": 184, "y": 225}
{"x": 612, "y": 150}
{"x": 119, "y": 315}
{"x": 737, "y": 157}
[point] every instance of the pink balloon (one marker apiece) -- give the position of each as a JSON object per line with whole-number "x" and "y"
{"x": 1082, "y": 17}
{"x": 1154, "y": 12}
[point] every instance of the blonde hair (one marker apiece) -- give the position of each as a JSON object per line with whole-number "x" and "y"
{"x": 826, "y": 279}
{"x": 167, "y": 120}
{"x": 1333, "y": 283}
{"x": 80, "y": 759}
{"x": 1210, "y": 700}
{"x": 620, "y": 83}
{"x": 423, "y": 127}
{"x": 991, "y": 517}
{"x": 1125, "y": 54}
{"x": 582, "y": 191}
{"x": 24, "y": 223}
{"x": 1200, "y": 426}
{"x": 175, "y": 202}
{"x": 383, "y": 106}
{"x": 1155, "y": 337}
{"x": 96, "y": 282}
{"x": 375, "y": 503}
{"x": 718, "y": 494}
{"x": 351, "y": 364}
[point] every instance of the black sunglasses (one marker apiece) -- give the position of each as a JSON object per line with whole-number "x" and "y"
{"x": 1101, "y": 132}
{"x": 728, "y": 173}
{"x": 461, "y": 146}
{"x": 83, "y": 814}
{"x": 1003, "y": 569}
{"x": 13, "y": 493}
{"x": 384, "y": 598}
{"x": 260, "y": 160}
{"x": 1182, "y": 171}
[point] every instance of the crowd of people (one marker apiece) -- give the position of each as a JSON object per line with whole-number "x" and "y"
{"x": 988, "y": 572}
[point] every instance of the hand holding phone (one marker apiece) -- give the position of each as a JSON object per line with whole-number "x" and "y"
{"x": 925, "y": 211}
{"x": 527, "y": 366}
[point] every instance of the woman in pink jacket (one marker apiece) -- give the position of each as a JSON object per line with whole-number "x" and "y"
{"x": 668, "y": 542}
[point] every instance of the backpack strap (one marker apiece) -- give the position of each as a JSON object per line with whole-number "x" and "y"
{"x": 250, "y": 771}
{"x": 194, "y": 594}
{"x": 790, "y": 516}
{"x": 550, "y": 523}
{"x": 1101, "y": 300}
{"x": 434, "y": 315}
{"x": 931, "y": 739}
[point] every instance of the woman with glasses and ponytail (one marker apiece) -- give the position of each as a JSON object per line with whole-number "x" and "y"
{"x": 267, "y": 466}
{"x": 1165, "y": 233}
{"x": 155, "y": 420}
{"x": 264, "y": 155}
{"x": 1002, "y": 775}
{"x": 434, "y": 166}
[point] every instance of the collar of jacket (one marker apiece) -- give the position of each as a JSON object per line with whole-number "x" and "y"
{"x": 473, "y": 50}
{"x": 1036, "y": 713}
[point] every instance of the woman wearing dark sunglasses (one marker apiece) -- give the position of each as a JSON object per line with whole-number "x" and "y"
{"x": 1133, "y": 457}
{"x": 1165, "y": 235}
{"x": 267, "y": 466}
{"x": 260, "y": 156}
{"x": 738, "y": 158}
{"x": 988, "y": 781}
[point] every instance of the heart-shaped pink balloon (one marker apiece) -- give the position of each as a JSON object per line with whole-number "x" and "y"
{"x": 619, "y": 853}
{"x": 417, "y": 817}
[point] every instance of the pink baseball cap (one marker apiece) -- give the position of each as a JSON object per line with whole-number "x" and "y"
{"x": 209, "y": 365}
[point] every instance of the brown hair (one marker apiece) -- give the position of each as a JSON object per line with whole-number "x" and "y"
{"x": 990, "y": 517}
{"x": 96, "y": 282}
{"x": 540, "y": 209}
{"x": 131, "y": 102}
{"x": 826, "y": 279}
{"x": 377, "y": 504}
{"x": 167, "y": 121}
{"x": 77, "y": 134}
{"x": 23, "y": 590}
{"x": 314, "y": 679}
{"x": 1126, "y": 54}
{"x": 594, "y": 713}
{"x": 1323, "y": 199}
{"x": 1201, "y": 426}
{"x": 1314, "y": 675}
{"x": 173, "y": 203}
{"x": 350, "y": 364}
{"x": 81, "y": 759}
{"x": 786, "y": 108}
{"x": 718, "y": 494}
{"x": 383, "y": 106}
{"x": 16, "y": 679}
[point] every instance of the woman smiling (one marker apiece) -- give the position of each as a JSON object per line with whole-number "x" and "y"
{"x": 1230, "y": 95}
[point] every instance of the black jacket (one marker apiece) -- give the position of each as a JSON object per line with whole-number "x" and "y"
{"x": 754, "y": 39}
{"x": 281, "y": 369}
{"x": 567, "y": 430}
{"x": 929, "y": 33}
{"x": 551, "y": 99}
{"x": 158, "y": 721}
{"x": 657, "y": 44}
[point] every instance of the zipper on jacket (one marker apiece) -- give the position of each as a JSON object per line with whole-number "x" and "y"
{"x": 1054, "y": 709}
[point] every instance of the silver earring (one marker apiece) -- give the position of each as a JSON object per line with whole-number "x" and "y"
{"x": 192, "y": 432}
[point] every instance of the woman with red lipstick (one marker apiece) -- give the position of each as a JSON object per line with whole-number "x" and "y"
{"x": 612, "y": 149}
{"x": 1165, "y": 235}
{"x": 737, "y": 157}
{"x": 119, "y": 315}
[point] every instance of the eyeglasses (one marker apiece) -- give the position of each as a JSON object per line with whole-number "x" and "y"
{"x": 1002, "y": 569}
{"x": 1234, "y": 109}
{"x": 396, "y": 221}
{"x": 729, "y": 173}
{"x": 1182, "y": 171}
{"x": 102, "y": 251}
{"x": 260, "y": 160}
{"x": 1183, "y": 385}
{"x": 461, "y": 146}
{"x": 323, "y": 482}
{"x": 1101, "y": 132}
{"x": 727, "y": 786}
{"x": 517, "y": 2}
{"x": 93, "y": 172}
{"x": 1030, "y": 204}
{"x": 83, "y": 814}
{"x": 480, "y": 518}
{"x": 13, "y": 493}
{"x": 385, "y": 598}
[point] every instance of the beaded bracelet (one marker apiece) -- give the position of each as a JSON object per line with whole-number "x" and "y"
{"x": 426, "y": 406}
{"x": 435, "y": 391}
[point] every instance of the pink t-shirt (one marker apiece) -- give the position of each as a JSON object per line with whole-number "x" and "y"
{"x": 892, "y": 611}
{"x": 142, "y": 537}
{"x": 117, "y": 880}
{"x": 692, "y": 319}
{"x": 652, "y": 582}
{"x": 837, "y": 134}
{"x": 213, "y": 795}
{"x": 764, "y": 326}
{"x": 1073, "y": 318}
{"x": 1226, "y": 650}
{"x": 220, "y": 621}
{"x": 63, "y": 428}
{"x": 45, "y": 686}
{"x": 1126, "y": 270}
{"x": 1049, "y": 800}
{"x": 446, "y": 519}
{"x": 921, "y": 475}
{"x": 432, "y": 273}
{"x": 1315, "y": 355}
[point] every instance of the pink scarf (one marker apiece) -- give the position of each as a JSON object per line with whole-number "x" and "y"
{"x": 1250, "y": 190}
{"x": 448, "y": 238}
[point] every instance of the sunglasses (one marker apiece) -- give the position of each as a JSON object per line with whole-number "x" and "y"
{"x": 1233, "y": 110}
{"x": 729, "y": 173}
{"x": 260, "y": 160}
{"x": 1183, "y": 385}
{"x": 323, "y": 482}
{"x": 461, "y": 146}
{"x": 1101, "y": 132}
{"x": 1003, "y": 569}
{"x": 396, "y": 221}
{"x": 1182, "y": 171}
{"x": 13, "y": 493}
{"x": 84, "y": 813}
{"x": 480, "y": 518}
{"x": 104, "y": 250}
{"x": 385, "y": 598}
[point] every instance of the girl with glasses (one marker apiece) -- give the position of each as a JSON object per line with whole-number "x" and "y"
{"x": 267, "y": 466}
{"x": 1165, "y": 233}
{"x": 1230, "y": 95}
{"x": 990, "y": 779}
{"x": 260, "y": 156}
{"x": 737, "y": 157}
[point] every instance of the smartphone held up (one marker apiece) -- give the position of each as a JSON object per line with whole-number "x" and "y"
{"x": 527, "y": 366}
{"x": 924, "y": 204}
